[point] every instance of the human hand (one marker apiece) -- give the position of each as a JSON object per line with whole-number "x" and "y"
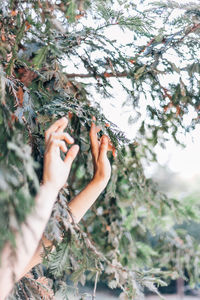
{"x": 102, "y": 168}
{"x": 56, "y": 170}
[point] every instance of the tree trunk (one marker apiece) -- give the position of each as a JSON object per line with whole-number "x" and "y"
{"x": 180, "y": 287}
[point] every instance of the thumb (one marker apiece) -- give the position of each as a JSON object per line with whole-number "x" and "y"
{"x": 71, "y": 154}
{"x": 103, "y": 147}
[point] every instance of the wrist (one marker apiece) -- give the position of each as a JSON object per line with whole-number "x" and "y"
{"x": 100, "y": 182}
{"x": 50, "y": 188}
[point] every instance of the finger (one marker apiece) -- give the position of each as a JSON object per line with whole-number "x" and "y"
{"x": 110, "y": 145}
{"x": 112, "y": 148}
{"x": 94, "y": 141}
{"x": 114, "y": 152}
{"x": 55, "y": 145}
{"x": 61, "y": 136}
{"x": 62, "y": 127}
{"x": 61, "y": 123}
{"x": 103, "y": 147}
{"x": 71, "y": 154}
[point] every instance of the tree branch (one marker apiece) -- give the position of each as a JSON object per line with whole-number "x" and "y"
{"x": 105, "y": 74}
{"x": 95, "y": 286}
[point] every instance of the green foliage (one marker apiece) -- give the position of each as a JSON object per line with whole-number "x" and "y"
{"x": 128, "y": 239}
{"x": 40, "y": 57}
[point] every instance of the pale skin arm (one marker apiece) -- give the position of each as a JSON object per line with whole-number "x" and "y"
{"x": 84, "y": 200}
{"x": 102, "y": 171}
{"x": 14, "y": 261}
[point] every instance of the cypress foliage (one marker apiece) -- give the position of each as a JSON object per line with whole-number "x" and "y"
{"x": 128, "y": 238}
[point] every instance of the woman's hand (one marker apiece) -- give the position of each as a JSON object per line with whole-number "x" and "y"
{"x": 102, "y": 168}
{"x": 56, "y": 170}
{"x": 55, "y": 175}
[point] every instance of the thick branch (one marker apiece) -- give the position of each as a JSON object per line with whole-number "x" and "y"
{"x": 190, "y": 30}
{"x": 106, "y": 75}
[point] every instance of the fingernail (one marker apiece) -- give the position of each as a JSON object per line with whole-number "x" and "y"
{"x": 70, "y": 138}
{"x": 104, "y": 138}
{"x": 77, "y": 147}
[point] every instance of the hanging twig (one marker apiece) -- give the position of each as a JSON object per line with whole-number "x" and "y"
{"x": 106, "y": 74}
{"x": 95, "y": 286}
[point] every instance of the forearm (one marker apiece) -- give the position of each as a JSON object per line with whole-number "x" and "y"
{"x": 38, "y": 255}
{"x": 79, "y": 206}
{"x": 14, "y": 261}
{"x": 84, "y": 200}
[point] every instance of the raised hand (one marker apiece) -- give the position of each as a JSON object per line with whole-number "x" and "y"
{"x": 102, "y": 168}
{"x": 56, "y": 170}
